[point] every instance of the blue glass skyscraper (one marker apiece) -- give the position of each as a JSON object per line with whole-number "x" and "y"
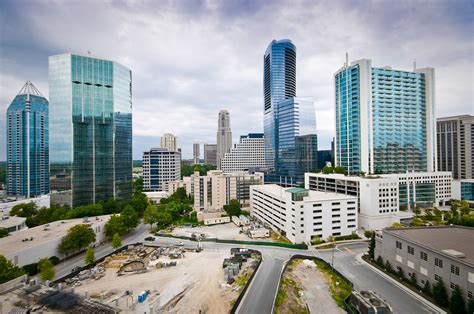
{"x": 27, "y": 143}
{"x": 90, "y": 130}
{"x": 279, "y": 83}
{"x": 289, "y": 121}
{"x": 385, "y": 119}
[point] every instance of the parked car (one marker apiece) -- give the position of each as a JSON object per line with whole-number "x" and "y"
{"x": 180, "y": 243}
{"x": 76, "y": 269}
{"x": 150, "y": 239}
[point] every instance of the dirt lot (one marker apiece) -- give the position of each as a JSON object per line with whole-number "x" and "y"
{"x": 228, "y": 231}
{"x": 195, "y": 284}
{"x": 304, "y": 289}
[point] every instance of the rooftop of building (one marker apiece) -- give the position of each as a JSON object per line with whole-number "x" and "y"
{"x": 10, "y": 221}
{"x": 275, "y": 189}
{"x": 464, "y": 116}
{"x": 252, "y": 135}
{"x": 42, "y": 234}
{"x": 455, "y": 241}
{"x": 379, "y": 176}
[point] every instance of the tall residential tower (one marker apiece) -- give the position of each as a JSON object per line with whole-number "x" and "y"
{"x": 27, "y": 143}
{"x": 385, "y": 119}
{"x": 224, "y": 136}
{"x": 456, "y": 146}
{"x": 169, "y": 141}
{"x": 90, "y": 130}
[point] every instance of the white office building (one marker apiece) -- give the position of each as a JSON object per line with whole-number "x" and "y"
{"x": 301, "y": 214}
{"x": 160, "y": 165}
{"x": 169, "y": 141}
{"x": 216, "y": 189}
{"x": 382, "y": 197}
{"x": 247, "y": 155}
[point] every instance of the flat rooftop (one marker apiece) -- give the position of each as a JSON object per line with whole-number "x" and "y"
{"x": 457, "y": 238}
{"x": 312, "y": 195}
{"x": 42, "y": 234}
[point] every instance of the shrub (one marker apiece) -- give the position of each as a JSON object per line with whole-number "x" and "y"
{"x": 388, "y": 267}
{"x": 55, "y": 260}
{"x": 427, "y": 289}
{"x": 352, "y": 236}
{"x": 30, "y": 269}
{"x": 8, "y": 270}
{"x": 368, "y": 233}
{"x": 379, "y": 261}
{"x": 439, "y": 294}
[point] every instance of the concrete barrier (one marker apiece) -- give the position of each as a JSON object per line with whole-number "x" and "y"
{"x": 12, "y": 284}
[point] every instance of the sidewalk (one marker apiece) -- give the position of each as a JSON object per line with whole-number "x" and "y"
{"x": 401, "y": 286}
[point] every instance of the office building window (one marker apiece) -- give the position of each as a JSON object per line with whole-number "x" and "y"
{"x": 411, "y": 250}
{"x": 455, "y": 270}
{"x": 398, "y": 245}
{"x": 439, "y": 262}
{"x": 424, "y": 256}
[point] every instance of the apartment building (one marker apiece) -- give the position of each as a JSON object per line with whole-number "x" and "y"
{"x": 160, "y": 165}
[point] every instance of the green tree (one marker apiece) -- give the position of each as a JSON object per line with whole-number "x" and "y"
{"x": 328, "y": 170}
{"x": 150, "y": 216}
{"x": 77, "y": 238}
{"x": 3, "y": 232}
{"x": 417, "y": 211}
{"x": 115, "y": 225}
{"x": 164, "y": 219}
{"x": 116, "y": 241}
{"x": 417, "y": 222}
{"x": 439, "y": 294}
{"x": 233, "y": 209}
{"x": 372, "y": 246}
{"x": 465, "y": 210}
{"x": 470, "y": 306}
{"x": 340, "y": 170}
{"x": 8, "y": 270}
{"x": 89, "y": 258}
{"x": 388, "y": 267}
{"x": 456, "y": 304}
{"x": 46, "y": 269}
{"x": 413, "y": 280}
{"x": 379, "y": 261}
{"x": 24, "y": 210}
{"x": 427, "y": 288}
{"x": 130, "y": 217}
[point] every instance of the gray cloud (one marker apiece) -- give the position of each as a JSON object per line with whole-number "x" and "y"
{"x": 191, "y": 58}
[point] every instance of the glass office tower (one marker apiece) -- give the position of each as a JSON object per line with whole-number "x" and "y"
{"x": 27, "y": 144}
{"x": 297, "y": 145}
{"x": 385, "y": 119}
{"x": 90, "y": 130}
{"x": 279, "y": 83}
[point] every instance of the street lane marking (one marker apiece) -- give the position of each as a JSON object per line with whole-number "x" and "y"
{"x": 349, "y": 250}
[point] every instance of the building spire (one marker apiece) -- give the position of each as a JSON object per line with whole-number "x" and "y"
{"x": 29, "y": 89}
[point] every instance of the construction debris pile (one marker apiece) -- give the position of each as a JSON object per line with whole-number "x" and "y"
{"x": 233, "y": 265}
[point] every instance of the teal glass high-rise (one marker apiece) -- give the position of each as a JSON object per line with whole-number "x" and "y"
{"x": 27, "y": 144}
{"x": 90, "y": 130}
{"x": 385, "y": 119}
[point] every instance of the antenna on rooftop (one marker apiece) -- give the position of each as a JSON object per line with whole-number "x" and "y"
{"x": 414, "y": 64}
{"x": 347, "y": 59}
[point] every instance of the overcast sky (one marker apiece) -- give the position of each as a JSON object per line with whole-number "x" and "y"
{"x": 191, "y": 58}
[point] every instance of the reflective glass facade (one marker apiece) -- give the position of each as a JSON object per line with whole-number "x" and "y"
{"x": 279, "y": 83}
{"x": 27, "y": 146}
{"x": 467, "y": 190}
{"x": 297, "y": 145}
{"x": 384, "y": 119}
{"x": 91, "y": 130}
{"x": 420, "y": 195}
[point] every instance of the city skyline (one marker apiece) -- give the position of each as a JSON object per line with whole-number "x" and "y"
{"x": 176, "y": 75}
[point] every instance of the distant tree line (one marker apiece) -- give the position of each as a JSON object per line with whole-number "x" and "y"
{"x": 186, "y": 171}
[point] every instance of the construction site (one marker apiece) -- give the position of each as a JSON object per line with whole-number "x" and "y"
{"x": 146, "y": 279}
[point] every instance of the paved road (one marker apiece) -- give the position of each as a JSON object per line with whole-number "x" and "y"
{"x": 365, "y": 278}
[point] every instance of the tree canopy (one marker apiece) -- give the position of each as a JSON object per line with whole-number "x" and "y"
{"x": 8, "y": 270}
{"x": 46, "y": 269}
{"x": 233, "y": 208}
{"x": 77, "y": 238}
{"x": 89, "y": 258}
{"x": 116, "y": 241}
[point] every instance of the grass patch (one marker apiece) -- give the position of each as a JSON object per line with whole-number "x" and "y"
{"x": 288, "y": 299}
{"x": 279, "y": 238}
{"x": 242, "y": 279}
{"x": 340, "y": 289}
{"x": 326, "y": 246}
